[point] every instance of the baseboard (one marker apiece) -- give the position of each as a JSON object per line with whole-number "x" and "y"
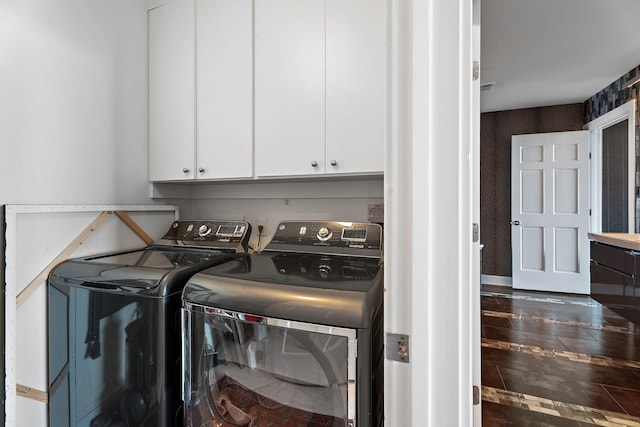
{"x": 487, "y": 279}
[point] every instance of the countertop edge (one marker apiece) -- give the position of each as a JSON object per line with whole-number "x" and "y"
{"x": 622, "y": 240}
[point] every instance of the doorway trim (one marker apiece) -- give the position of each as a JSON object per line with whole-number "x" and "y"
{"x": 595, "y": 127}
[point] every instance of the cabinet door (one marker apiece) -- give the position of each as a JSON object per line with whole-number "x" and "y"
{"x": 224, "y": 89}
{"x": 289, "y": 87}
{"x": 355, "y": 67}
{"x": 171, "y": 91}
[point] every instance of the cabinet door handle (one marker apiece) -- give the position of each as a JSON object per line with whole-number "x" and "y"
{"x": 201, "y": 170}
{"x": 516, "y": 222}
{"x": 314, "y": 163}
{"x": 334, "y": 163}
{"x": 185, "y": 170}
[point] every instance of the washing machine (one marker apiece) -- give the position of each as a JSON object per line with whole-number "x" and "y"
{"x": 114, "y": 327}
{"x": 292, "y": 336}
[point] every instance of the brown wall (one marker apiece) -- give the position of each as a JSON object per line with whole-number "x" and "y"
{"x": 496, "y": 129}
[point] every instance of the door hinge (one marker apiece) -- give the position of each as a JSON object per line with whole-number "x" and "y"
{"x": 589, "y": 156}
{"x": 476, "y": 232}
{"x": 476, "y": 395}
{"x": 398, "y": 347}
{"x": 589, "y": 212}
{"x": 476, "y": 70}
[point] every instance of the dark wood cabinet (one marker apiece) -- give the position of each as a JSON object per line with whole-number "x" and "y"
{"x": 615, "y": 279}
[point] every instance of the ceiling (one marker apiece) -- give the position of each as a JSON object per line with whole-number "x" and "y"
{"x": 552, "y": 52}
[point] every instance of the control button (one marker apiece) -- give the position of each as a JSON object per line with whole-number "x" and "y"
{"x": 204, "y": 230}
{"x": 324, "y": 271}
{"x": 324, "y": 234}
{"x": 239, "y": 231}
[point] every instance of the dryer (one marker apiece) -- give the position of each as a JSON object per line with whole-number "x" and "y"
{"x": 292, "y": 336}
{"x": 114, "y": 327}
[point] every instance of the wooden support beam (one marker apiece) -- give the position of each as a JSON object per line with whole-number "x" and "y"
{"x": 32, "y": 393}
{"x": 134, "y": 226}
{"x": 66, "y": 253}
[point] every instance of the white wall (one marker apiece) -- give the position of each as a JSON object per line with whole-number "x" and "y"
{"x": 73, "y": 101}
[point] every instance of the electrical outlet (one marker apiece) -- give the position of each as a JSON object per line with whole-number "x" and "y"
{"x": 375, "y": 213}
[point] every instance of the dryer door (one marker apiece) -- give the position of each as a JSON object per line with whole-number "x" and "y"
{"x": 242, "y": 369}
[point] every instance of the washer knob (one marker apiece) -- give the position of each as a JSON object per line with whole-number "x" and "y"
{"x": 204, "y": 230}
{"x": 324, "y": 234}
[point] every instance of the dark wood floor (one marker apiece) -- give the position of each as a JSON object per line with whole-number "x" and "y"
{"x": 557, "y": 360}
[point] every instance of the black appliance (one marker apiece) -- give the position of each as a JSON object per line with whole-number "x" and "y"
{"x": 114, "y": 327}
{"x": 292, "y": 336}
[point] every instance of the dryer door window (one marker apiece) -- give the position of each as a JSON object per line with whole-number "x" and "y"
{"x": 248, "y": 370}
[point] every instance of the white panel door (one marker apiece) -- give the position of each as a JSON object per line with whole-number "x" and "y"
{"x": 224, "y": 89}
{"x": 550, "y": 211}
{"x": 171, "y": 91}
{"x": 289, "y": 39}
{"x": 355, "y": 67}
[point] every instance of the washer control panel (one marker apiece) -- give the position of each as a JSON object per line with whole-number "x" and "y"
{"x": 208, "y": 233}
{"x": 335, "y": 237}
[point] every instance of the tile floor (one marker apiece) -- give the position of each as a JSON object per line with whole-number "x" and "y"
{"x": 557, "y": 360}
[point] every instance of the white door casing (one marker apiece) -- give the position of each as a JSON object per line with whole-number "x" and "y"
{"x": 550, "y": 211}
{"x": 627, "y": 112}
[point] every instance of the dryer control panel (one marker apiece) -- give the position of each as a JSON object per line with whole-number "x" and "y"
{"x": 208, "y": 233}
{"x": 331, "y": 237}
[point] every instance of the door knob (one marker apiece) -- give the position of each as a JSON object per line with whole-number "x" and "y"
{"x": 185, "y": 170}
{"x": 516, "y": 222}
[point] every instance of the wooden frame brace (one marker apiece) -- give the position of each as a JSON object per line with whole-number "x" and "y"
{"x": 66, "y": 253}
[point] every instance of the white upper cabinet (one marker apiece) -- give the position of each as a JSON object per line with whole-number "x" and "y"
{"x": 171, "y": 92}
{"x": 200, "y": 90}
{"x": 290, "y": 87}
{"x": 355, "y": 86}
{"x": 224, "y": 89}
{"x": 319, "y": 87}
{"x": 265, "y": 88}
